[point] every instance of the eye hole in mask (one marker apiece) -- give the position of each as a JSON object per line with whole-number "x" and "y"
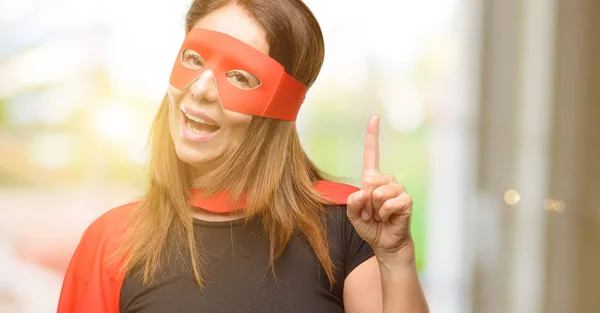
{"x": 238, "y": 78}
{"x": 242, "y": 79}
{"x": 191, "y": 59}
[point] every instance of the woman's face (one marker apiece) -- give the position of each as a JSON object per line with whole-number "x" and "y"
{"x": 204, "y": 133}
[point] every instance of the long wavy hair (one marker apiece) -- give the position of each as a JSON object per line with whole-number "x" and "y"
{"x": 279, "y": 181}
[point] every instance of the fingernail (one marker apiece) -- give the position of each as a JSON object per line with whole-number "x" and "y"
{"x": 364, "y": 216}
{"x": 358, "y": 196}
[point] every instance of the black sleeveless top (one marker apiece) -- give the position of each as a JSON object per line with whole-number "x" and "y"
{"x": 240, "y": 280}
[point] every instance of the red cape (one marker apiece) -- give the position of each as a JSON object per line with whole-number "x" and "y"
{"x": 92, "y": 285}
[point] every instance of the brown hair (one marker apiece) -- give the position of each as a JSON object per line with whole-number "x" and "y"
{"x": 279, "y": 184}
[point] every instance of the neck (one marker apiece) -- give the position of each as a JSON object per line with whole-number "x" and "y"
{"x": 208, "y": 216}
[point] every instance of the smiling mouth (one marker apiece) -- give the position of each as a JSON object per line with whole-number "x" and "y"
{"x": 197, "y": 125}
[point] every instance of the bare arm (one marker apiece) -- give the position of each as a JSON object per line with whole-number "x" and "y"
{"x": 380, "y": 213}
{"x": 387, "y": 284}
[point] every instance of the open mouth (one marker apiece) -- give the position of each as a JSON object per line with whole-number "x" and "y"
{"x": 199, "y": 126}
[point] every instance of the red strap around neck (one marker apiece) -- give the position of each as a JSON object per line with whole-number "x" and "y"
{"x": 336, "y": 192}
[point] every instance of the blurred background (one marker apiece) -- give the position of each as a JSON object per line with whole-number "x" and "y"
{"x": 489, "y": 111}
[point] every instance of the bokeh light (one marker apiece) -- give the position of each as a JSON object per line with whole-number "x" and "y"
{"x": 114, "y": 122}
{"x": 512, "y": 197}
{"x": 554, "y": 205}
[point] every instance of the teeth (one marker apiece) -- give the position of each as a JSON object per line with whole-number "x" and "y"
{"x": 197, "y": 132}
{"x": 197, "y": 119}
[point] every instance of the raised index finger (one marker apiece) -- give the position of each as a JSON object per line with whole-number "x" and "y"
{"x": 371, "y": 154}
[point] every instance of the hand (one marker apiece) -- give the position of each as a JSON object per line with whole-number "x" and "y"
{"x": 380, "y": 212}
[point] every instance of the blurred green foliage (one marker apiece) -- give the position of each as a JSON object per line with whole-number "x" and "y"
{"x": 338, "y": 150}
{"x": 3, "y": 113}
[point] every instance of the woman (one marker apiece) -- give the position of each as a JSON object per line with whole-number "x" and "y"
{"x": 237, "y": 218}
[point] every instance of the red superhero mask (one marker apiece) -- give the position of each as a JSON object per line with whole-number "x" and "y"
{"x": 276, "y": 94}
{"x": 92, "y": 282}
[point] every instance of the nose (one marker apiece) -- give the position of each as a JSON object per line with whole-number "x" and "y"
{"x": 205, "y": 87}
